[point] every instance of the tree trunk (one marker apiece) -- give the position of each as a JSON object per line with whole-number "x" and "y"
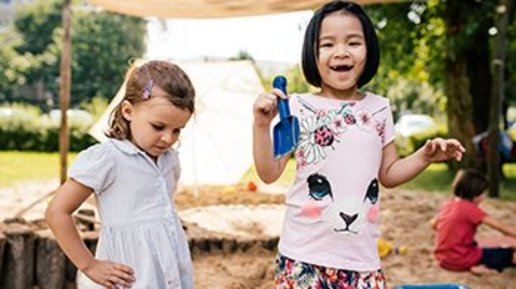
{"x": 460, "y": 108}
{"x": 457, "y": 84}
{"x": 478, "y": 66}
{"x": 50, "y": 262}
{"x": 18, "y": 269}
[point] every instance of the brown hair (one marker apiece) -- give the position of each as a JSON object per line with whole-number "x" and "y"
{"x": 469, "y": 183}
{"x": 167, "y": 76}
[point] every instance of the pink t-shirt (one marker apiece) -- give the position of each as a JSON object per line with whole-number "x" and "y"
{"x": 332, "y": 216}
{"x": 455, "y": 246}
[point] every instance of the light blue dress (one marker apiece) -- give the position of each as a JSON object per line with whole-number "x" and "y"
{"x": 140, "y": 226}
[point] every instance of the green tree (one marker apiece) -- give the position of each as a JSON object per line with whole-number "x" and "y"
{"x": 12, "y": 65}
{"x": 446, "y": 44}
{"x": 296, "y": 80}
{"x": 103, "y": 44}
{"x": 242, "y": 55}
{"x": 36, "y": 23}
{"x": 410, "y": 43}
{"x": 467, "y": 69}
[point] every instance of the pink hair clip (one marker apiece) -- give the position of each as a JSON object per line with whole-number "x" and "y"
{"x": 147, "y": 90}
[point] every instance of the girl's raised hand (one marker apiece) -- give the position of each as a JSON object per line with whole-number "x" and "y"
{"x": 110, "y": 274}
{"x": 439, "y": 149}
{"x": 265, "y": 107}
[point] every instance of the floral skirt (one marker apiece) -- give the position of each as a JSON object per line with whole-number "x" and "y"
{"x": 291, "y": 274}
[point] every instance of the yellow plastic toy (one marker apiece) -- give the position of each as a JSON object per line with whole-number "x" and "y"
{"x": 386, "y": 248}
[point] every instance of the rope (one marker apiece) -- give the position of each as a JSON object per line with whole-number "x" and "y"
{"x": 31, "y": 205}
{"x": 79, "y": 216}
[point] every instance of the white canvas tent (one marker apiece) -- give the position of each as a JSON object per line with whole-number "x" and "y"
{"x": 211, "y": 8}
{"x": 164, "y": 9}
{"x": 216, "y": 145}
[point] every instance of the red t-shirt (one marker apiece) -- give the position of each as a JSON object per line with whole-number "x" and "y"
{"x": 455, "y": 246}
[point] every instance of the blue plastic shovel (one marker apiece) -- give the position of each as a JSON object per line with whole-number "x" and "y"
{"x": 286, "y": 131}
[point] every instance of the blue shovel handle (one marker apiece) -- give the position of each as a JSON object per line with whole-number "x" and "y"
{"x": 280, "y": 82}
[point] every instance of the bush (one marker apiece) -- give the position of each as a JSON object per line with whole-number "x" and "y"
{"x": 407, "y": 145}
{"x": 24, "y": 128}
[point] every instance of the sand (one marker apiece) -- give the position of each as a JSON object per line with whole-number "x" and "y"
{"x": 235, "y": 211}
{"x": 405, "y": 220}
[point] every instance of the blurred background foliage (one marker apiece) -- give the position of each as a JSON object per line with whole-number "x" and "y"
{"x": 419, "y": 40}
{"x": 435, "y": 54}
{"x": 103, "y": 45}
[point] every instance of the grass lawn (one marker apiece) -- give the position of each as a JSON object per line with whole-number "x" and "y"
{"x": 18, "y": 167}
{"x": 435, "y": 178}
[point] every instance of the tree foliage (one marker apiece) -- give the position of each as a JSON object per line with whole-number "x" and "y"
{"x": 36, "y": 24}
{"x": 12, "y": 65}
{"x": 243, "y": 55}
{"x": 411, "y": 43}
{"x": 445, "y": 47}
{"x": 102, "y": 43}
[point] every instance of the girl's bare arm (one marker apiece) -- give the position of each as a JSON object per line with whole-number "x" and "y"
{"x": 267, "y": 167}
{"x": 395, "y": 171}
{"x": 59, "y": 217}
{"x": 500, "y": 226}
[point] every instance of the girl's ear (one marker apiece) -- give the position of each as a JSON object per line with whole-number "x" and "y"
{"x": 127, "y": 110}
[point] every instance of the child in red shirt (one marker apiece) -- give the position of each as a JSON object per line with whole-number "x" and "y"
{"x": 456, "y": 226}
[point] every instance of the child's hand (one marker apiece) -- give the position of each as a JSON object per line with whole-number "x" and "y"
{"x": 110, "y": 274}
{"x": 439, "y": 149}
{"x": 433, "y": 223}
{"x": 265, "y": 107}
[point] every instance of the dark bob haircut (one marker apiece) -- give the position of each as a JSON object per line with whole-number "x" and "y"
{"x": 469, "y": 184}
{"x": 310, "y": 52}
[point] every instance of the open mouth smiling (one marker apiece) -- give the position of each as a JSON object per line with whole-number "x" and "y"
{"x": 341, "y": 68}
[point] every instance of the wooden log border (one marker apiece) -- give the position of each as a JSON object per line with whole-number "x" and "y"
{"x": 31, "y": 258}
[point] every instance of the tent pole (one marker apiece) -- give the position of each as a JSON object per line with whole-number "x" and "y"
{"x": 65, "y": 87}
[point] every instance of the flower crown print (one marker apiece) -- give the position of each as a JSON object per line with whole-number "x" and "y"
{"x": 322, "y": 129}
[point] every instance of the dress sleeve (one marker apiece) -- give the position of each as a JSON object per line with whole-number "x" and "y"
{"x": 94, "y": 168}
{"x": 477, "y": 215}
